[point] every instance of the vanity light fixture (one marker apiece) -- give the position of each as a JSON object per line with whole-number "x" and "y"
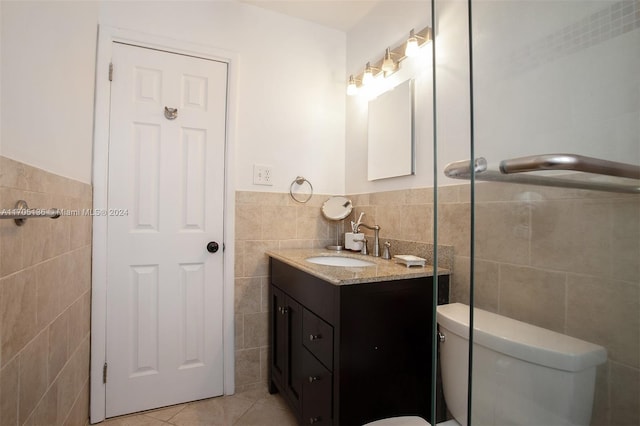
{"x": 412, "y": 48}
{"x": 387, "y": 64}
{"x": 352, "y": 87}
{"x": 367, "y": 77}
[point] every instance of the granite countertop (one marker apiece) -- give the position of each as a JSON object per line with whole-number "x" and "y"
{"x": 383, "y": 270}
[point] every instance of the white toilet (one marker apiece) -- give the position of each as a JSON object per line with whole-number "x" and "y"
{"x": 522, "y": 374}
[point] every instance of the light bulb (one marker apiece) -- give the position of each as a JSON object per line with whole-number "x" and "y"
{"x": 367, "y": 77}
{"x": 352, "y": 88}
{"x": 388, "y": 65}
{"x": 412, "y": 48}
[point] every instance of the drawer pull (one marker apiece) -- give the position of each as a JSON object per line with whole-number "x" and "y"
{"x": 313, "y": 379}
{"x": 314, "y": 420}
{"x": 313, "y": 337}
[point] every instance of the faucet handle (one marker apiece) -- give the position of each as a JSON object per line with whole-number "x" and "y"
{"x": 386, "y": 254}
{"x": 362, "y": 240}
{"x": 364, "y": 250}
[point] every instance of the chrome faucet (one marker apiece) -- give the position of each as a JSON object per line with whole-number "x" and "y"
{"x": 376, "y": 236}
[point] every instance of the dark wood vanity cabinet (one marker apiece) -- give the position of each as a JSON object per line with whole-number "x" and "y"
{"x": 351, "y": 354}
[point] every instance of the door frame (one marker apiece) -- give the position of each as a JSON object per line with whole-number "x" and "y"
{"x": 106, "y": 37}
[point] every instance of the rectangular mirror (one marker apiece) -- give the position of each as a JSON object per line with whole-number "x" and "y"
{"x": 390, "y": 143}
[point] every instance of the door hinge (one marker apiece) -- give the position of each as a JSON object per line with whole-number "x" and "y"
{"x": 104, "y": 373}
{"x": 110, "y": 71}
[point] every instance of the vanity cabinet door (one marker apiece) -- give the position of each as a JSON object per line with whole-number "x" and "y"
{"x": 278, "y": 337}
{"x": 286, "y": 329}
{"x": 295, "y": 374}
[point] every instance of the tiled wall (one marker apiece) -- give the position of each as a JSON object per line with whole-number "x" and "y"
{"x": 567, "y": 260}
{"x": 563, "y": 259}
{"x": 608, "y": 22}
{"x": 45, "y": 280}
{"x": 266, "y": 221}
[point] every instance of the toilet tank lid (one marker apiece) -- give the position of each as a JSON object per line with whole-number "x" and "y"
{"x": 521, "y": 340}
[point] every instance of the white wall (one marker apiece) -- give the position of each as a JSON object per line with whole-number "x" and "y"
{"x": 290, "y": 104}
{"x": 389, "y": 24}
{"x": 290, "y": 93}
{"x": 47, "y": 83}
{"x": 548, "y": 77}
{"x": 561, "y": 77}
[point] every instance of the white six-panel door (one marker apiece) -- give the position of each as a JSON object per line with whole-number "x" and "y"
{"x": 165, "y": 197}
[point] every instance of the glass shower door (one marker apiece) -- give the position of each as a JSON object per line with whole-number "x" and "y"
{"x": 557, "y": 77}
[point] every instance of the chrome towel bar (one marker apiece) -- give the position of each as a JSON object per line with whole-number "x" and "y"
{"x": 21, "y": 212}
{"x": 578, "y": 163}
{"x": 512, "y": 171}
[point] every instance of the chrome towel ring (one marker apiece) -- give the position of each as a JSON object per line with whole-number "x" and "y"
{"x": 300, "y": 181}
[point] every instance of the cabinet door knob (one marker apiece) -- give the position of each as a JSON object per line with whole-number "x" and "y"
{"x": 284, "y": 311}
{"x": 314, "y": 420}
{"x": 313, "y": 337}
{"x": 313, "y": 379}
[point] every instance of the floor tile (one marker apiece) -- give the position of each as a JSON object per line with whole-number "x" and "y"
{"x": 265, "y": 414}
{"x": 221, "y": 411}
{"x": 255, "y": 407}
{"x": 166, "y": 413}
{"x": 133, "y": 420}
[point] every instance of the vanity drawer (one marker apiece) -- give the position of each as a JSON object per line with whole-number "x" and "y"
{"x": 317, "y": 392}
{"x": 317, "y": 337}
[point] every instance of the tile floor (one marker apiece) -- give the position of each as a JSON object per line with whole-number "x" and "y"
{"x": 249, "y": 408}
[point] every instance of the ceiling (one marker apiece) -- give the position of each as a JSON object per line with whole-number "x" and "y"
{"x": 341, "y": 15}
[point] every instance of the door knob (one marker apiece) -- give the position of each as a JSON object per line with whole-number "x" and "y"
{"x": 212, "y": 247}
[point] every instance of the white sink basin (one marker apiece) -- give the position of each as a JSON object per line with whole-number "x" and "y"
{"x": 339, "y": 261}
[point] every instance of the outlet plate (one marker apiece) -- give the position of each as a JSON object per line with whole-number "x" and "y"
{"x": 262, "y": 175}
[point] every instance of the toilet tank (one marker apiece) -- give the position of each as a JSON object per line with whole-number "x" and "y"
{"x": 522, "y": 374}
